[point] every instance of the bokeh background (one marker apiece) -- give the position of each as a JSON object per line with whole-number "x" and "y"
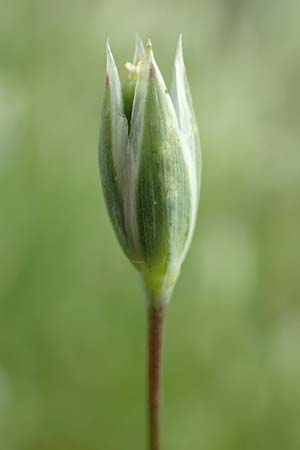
{"x": 72, "y": 313}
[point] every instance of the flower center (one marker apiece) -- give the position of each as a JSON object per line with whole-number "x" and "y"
{"x": 133, "y": 70}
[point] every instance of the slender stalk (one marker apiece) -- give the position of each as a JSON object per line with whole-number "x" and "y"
{"x": 156, "y": 317}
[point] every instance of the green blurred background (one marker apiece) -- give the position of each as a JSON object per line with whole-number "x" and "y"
{"x": 72, "y": 313}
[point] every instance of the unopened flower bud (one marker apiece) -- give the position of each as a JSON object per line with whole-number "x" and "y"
{"x": 150, "y": 166}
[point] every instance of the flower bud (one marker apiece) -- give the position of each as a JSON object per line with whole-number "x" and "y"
{"x": 150, "y": 164}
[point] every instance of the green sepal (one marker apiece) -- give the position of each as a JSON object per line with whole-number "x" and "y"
{"x": 163, "y": 189}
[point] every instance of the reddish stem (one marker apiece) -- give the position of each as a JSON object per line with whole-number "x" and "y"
{"x": 155, "y": 341}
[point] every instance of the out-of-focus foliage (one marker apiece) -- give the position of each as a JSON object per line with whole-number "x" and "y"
{"x": 72, "y": 315}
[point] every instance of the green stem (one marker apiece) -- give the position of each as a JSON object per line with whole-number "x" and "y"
{"x": 156, "y": 315}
